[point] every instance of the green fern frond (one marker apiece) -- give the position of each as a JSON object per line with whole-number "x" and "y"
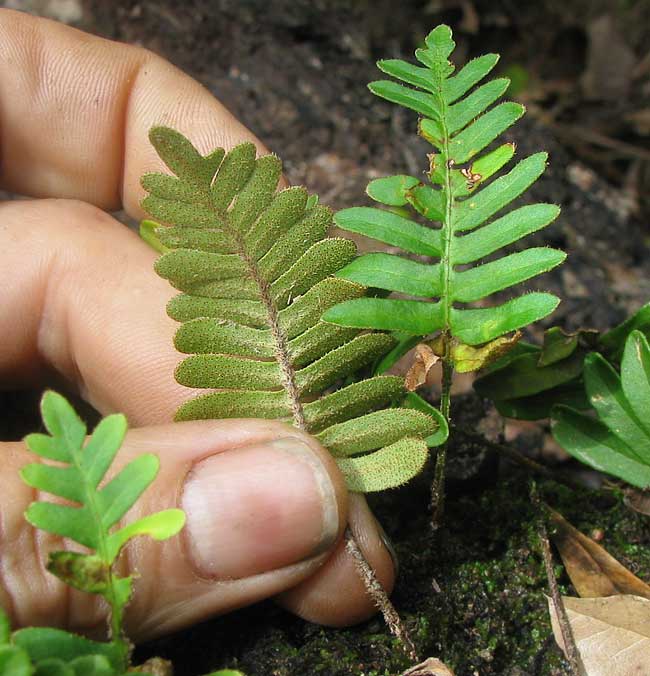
{"x": 254, "y": 267}
{"x": 79, "y": 477}
{"x": 457, "y": 120}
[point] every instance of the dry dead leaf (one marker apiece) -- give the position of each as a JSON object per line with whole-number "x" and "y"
{"x": 612, "y": 634}
{"x": 430, "y": 667}
{"x": 593, "y": 571}
{"x": 423, "y": 361}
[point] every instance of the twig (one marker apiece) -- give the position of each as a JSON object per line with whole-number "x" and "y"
{"x": 379, "y": 596}
{"x": 568, "y": 639}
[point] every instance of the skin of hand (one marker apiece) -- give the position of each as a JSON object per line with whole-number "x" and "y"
{"x": 266, "y": 504}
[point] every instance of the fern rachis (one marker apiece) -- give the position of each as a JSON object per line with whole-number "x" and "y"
{"x": 458, "y": 121}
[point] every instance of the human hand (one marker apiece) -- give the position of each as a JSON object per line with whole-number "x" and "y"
{"x": 266, "y": 505}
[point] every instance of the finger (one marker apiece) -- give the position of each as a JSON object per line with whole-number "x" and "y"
{"x": 335, "y": 595}
{"x": 264, "y": 503}
{"x": 75, "y": 112}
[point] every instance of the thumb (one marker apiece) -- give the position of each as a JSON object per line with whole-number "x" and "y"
{"x": 265, "y": 506}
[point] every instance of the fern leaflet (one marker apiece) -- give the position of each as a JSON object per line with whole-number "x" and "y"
{"x": 255, "y": 270}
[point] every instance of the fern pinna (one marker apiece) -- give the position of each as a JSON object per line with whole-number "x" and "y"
{"x": 255, "y": 270}
{"x": 456, "y": 121}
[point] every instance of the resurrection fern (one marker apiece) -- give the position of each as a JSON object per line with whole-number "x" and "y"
{"x": 618, "y": 442}
{"x": 80, "y": 477}
{"x": 458, "y": 121}
{"x": 255, "y": 270}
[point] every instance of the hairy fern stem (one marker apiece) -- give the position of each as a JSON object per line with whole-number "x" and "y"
{"x": 438, "y": 485}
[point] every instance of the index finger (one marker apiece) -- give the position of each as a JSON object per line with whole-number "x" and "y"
{"x": 75, "y": 111}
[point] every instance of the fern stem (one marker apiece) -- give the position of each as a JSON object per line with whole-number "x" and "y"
{"x": 379, "y": 596}
{"x": 438, "y": 485}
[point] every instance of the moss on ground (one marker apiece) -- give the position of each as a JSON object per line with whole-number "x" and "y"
{"x": 490, "y": 616}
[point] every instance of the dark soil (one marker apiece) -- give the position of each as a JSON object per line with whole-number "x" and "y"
{"x": 295, "y": 72}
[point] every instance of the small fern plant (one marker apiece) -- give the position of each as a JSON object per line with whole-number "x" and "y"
{"x": 255, "y": 270}
{"x": 618, "y": 442}
{"x": 459, "y": 204}
{"x": 79, "y": 477}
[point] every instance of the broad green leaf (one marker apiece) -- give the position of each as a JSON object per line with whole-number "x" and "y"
{"x": 387, "y": 314}
{"x": 589, "y": 441}
{"x": 486, "y": 279}
{"x": 14, "y": 662}
{"x": 394, "y": 273}
{"x": 483, "y": 131}
{"x": 539, "y": 406}
{"x": 149, "y": 235}
{"x": 388, "y": 467}
{"x": 472, "y": 73}
{"x": 475, "y": 327}
{"x": 375, "y": 430}
{"x": 505, "y": 230}
{"x": 441, "y": 44}
{"x": 524, "y": 377}
{"x": 606, "y": 394}
{"x": 613, "y": 342}
{"x": 635, "y": 376}
{"x": 559, "y": 345}
{"x": 390, "y": 228}
{"x": 159, "y": 526}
